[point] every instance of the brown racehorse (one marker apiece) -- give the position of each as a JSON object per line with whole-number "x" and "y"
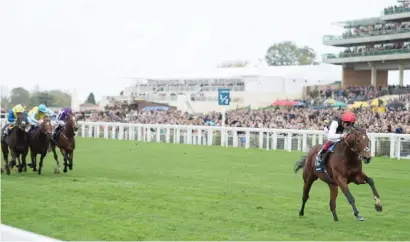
{"x": 17, "y": 143}
{"x": 39, "y": 141}
{"x": 344, "y": 165}
{"x": 66, "y": 142}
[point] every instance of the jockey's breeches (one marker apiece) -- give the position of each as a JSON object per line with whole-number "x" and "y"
{"x": 327, "y": 145}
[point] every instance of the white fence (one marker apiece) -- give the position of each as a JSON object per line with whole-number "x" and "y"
{"x": 381, "y": 144}
{"x": 389, "y": 145}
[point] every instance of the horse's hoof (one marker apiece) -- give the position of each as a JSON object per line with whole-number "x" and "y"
{"x": 65, "y": 170}
{"x": 378, "y": 208}
{"x": 8, "y": 172}
{"x": 359, "y": 218}
{"x": 301, "y": 214}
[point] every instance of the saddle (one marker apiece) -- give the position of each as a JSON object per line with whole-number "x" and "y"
{"x": 57, "y": 134}
{"x": 330, "y": 150}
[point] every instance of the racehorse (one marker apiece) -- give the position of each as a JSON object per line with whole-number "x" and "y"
{"x": 17, "y": 144}
{"x": 64, "y": 139}
{"x": 39, "y": 141}
{"x": 343, "y": 167}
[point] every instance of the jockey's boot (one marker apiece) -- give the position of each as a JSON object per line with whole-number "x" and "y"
{"x": 319, "y": 160}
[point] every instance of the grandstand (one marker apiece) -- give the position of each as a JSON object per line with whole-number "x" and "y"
{"x": 373, "y": 47}
{"x": 196, "y": 91}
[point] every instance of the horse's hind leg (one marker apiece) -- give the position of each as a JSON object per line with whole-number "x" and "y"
{"x": 361, "y": 179}
{"x": 332, "y": 203}
{"x": 309, "y": 179}
{"x": 53, "y": 148}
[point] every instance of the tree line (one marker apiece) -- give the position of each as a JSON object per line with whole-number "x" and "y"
{"x": 53, "y": 98}
{"x": 285, "y": 53}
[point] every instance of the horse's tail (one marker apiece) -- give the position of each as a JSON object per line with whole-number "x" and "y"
{"x": 300, "y": 164}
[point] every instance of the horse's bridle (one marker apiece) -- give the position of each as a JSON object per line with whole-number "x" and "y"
{"x": 351, "y": 148}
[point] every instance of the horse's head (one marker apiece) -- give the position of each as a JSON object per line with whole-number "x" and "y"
{"x": 46, "y": 127}
{"x": 20, "y": 121}
{"x": 71, "y": 122}
{"x": 358, "y": 141}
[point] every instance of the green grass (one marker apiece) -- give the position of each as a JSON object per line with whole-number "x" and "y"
{"x": 120, "y": 190}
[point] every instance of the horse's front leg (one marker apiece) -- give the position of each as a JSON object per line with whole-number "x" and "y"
{"x": 23, "y": 159}
{"x": 378, "y": 206}
{"x": 40, "y": 165}
{"x": 20, "y": 165}
{"x": 342, "y": 183}
{"x": 5, "y": 150}
{"x": 70, "y": 156}
{"x": 33, "y": 160}
{"x": 13, "y": 158}
{"x": 65, "y": 159}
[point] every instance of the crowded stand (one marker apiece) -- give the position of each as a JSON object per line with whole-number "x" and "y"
{"x": 377, "y": 29}
{"x": 374, "y": 112}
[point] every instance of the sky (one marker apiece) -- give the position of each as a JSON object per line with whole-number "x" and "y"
{"x": 94, "y": 45}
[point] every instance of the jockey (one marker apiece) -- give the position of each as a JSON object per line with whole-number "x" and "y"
{"x": 19, "y": 108}
{"x": 335, "y": 134}
{"x": 62, "y": 118}
{"x": 36, "y": 114}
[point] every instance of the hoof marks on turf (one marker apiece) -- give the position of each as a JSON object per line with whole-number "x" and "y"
{"x": 259, "y": 207}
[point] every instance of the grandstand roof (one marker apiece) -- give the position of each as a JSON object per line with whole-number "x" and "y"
{"x": 312, "y": 73}
{"x": 360, "y": 22}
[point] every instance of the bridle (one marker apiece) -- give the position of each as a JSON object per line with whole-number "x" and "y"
{"x": 355, "y": 139}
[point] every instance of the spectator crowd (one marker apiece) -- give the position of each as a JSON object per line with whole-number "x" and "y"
{"x": 312, "y": 116}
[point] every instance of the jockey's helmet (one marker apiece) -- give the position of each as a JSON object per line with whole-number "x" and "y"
{"x": 42, "y": 108}
{"x": 348, "y": 117}
{"x": 68, "y": 110}
{"x": 19, "y": 109}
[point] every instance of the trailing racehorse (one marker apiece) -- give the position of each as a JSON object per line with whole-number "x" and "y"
{"x": 343, "y": 167}
{"x": 39, "y": 141}
{"x": 64, "y": 139}
{"x": 17, "y": 143}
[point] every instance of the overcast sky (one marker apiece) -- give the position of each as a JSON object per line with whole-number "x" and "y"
{"x": 92, "y": 45}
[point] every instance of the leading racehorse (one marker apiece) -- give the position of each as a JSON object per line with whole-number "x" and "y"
{"x": 65, "y": 141}
{"x": 17, "y": 143}
{"x": 343, "y": 167}
{"x": 39, "y": 141}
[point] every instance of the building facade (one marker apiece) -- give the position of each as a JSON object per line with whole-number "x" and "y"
{"x": 372, "y": 47}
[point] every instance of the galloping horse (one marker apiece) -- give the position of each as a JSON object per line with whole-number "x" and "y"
{"x": 64, "y": 139}
{"x": 39, "y": 141}
{"x": 343, "y": 167}
{"x": 17, "y": 143}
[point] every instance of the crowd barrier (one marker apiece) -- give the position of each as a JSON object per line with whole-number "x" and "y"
{"x": 381, "y": 144}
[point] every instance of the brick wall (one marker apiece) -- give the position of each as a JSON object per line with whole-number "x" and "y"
{"x": 352, "y": 77}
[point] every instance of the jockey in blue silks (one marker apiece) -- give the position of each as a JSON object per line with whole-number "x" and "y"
{"x": 36, "y": 114}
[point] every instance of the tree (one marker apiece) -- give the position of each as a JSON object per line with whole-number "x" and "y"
{"x": 38, "y": 98}
{"x": 19, "y": 95}
{"x": 288, "y": 53}
{"x": 91, "y": 99}
{"x": 60, "y": 98}
{"x": 5, "y": 102}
